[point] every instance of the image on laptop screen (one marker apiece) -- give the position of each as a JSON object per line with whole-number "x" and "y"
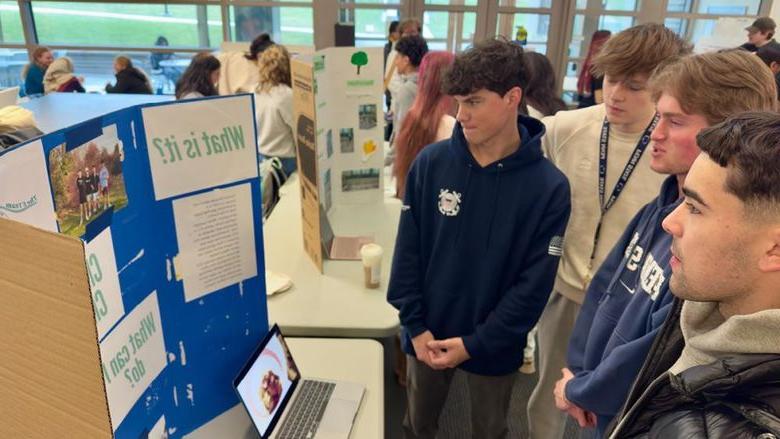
{"x": 267, "y": 382}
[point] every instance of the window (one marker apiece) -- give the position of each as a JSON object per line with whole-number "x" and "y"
{"x": 590, "y": 16}
{"x": 678, "y": 25}
{"x": 537, "y": 26}
{"x": 620, "y": 5}
{"x": 449, "y": 30}
{"x": 451, "y": 2}
{"x": 12, "y": 62}
{"x": 529, "y": 3}
{"x": 371, "y": 25}
{"x": 10, "y": 23}
{"x": 696, "y": 19}
{"x": 286, "y": 25}
{"x": 127, "y": 24}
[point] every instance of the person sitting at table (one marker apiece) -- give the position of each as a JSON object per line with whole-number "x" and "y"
{"x": 273, "y": 108}
{"x": 156, "y": 57}
{"x": 129, "y": 79}
{"x": 59, "y": 77}
{"x": 33, "y": 72}
{"x": 200, "y": 77}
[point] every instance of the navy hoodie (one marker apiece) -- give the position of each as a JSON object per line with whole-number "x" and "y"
{"x": 478, "y": 248}
{"x": 625, "y": 305}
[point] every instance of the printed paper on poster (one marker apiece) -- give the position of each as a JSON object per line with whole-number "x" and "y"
{"x": 215, "y": 232}
{"x": 104, "y": 281}
{"x": 133, "y": 354}
{"x": 25, "y": 194}
{"x": 200, "y": 144}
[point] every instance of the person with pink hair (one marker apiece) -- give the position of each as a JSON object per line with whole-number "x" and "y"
{"x": 588, "y": 86}
{"x": 430, "y": 118}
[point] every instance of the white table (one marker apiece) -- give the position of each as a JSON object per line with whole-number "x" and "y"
{"x": 336, "y": 303}
{"x": 61, "y": 110}
{"x": 358, "y": 361}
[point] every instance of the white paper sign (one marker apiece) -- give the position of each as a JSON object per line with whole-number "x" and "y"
{"x": 104, "y": 281}
{"x": 200, "y": 144}
{"x": 25, "y": 194}
{"x": 216, "y": 237}
{"x": 133, "y": 354}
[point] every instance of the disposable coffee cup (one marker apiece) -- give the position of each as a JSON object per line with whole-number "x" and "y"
{"x": 371, "y": 255}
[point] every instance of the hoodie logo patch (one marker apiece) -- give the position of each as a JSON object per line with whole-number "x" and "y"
{"x": 449, "y": 202}
{"x": 556, "y": 246}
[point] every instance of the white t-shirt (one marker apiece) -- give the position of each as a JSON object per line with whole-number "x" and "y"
{"x": 274, "y": 116}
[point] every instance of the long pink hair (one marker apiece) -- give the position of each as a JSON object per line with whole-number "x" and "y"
{"x": 422, "y": 121}
{"x": 583, "y": 82}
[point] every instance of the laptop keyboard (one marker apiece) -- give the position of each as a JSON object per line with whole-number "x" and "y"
{"x": 307, "y": 410}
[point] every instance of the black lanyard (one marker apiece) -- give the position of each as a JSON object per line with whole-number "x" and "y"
{"x": 639, "y": 149}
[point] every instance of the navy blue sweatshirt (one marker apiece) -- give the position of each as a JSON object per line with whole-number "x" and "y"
{"x": 625, "y": 305}
{"x": 478, "y": 248}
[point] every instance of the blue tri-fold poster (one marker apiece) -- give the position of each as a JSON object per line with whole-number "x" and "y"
{"x": 167, "y": 199}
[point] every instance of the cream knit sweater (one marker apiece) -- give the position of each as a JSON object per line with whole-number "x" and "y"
{"x": 572, "y": 144}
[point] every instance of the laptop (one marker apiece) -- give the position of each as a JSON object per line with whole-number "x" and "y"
{"x": 283, "y": 405}
{"x": 340, "y": 247}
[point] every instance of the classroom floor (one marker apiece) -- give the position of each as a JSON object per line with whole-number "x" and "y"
{"x": 454, "y": 418}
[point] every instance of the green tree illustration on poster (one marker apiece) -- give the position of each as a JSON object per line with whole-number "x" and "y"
{"x": 359, "y": 59}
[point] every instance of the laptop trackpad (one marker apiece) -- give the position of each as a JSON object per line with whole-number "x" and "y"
{"x": 337, "y": 420}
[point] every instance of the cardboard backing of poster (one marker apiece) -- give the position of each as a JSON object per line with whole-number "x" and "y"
{"x": 51, "y": 361}
{"x": 137, "y": 315}
{"x": 305, "y": 120}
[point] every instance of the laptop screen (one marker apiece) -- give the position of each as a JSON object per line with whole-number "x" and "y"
{"x": 266, "y": 383}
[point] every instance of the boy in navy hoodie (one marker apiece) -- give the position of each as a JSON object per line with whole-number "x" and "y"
{"x": 629, "y": 297}
{"x": 478, "y": 244}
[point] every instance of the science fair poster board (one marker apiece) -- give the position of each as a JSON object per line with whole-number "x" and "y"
{"x": 337, "y": 111}
{"x": 164, "y": 203}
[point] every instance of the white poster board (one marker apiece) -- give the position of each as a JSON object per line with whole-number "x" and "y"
{"x": 350, "y": 125}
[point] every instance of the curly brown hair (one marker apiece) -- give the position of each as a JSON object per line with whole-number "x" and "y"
{"x": 496, "y": 65}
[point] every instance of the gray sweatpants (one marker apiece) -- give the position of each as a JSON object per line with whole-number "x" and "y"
{"x": 555, "y": 326}
{"x": 426, "y": 392}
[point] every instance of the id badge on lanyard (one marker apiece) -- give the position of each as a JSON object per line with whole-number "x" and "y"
{"x": 628, "y": 169}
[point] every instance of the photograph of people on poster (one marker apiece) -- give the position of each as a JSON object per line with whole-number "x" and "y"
{"x": 367, "y": 116}
{"x": 87, "y": 181}
{"x": 347, "y": 140}
{"x": 360, "y": 179}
